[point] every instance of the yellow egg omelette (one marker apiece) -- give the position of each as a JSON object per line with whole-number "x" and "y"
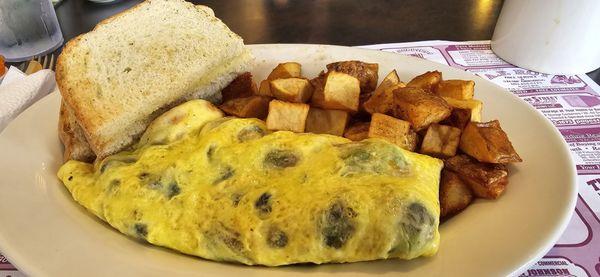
{"x": 227, "y": 189}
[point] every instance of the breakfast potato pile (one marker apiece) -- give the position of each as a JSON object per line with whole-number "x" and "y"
{"x": 428, "y": 114}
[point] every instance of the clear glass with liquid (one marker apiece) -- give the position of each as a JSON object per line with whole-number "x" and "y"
{"x": 28, "y": 28}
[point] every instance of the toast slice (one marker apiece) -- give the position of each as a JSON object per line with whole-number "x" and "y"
{"x": 72, "y": 137}
{"x": 137, "y": 64}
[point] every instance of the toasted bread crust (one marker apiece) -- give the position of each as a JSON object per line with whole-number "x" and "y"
{"x": 72, "y": 137}
{"x": 87, "y": 126}
{"x": 113, "y": 112}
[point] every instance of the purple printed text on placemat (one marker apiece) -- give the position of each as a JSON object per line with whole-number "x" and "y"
{"x": 4, "y": 264}
{"x": 422, "y": 52}
{"x": 555, "y": 266}
{"x": 469, "y": 47}
{"x": 474, "y": 56}
{"x": 526, "y": 82}
{"x": 581, "y": 135}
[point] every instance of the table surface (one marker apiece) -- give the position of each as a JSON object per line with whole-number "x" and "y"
{"x": 341, "y": 22}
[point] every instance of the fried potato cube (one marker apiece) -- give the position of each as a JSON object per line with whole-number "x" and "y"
{"x": 419, "y": 107}
{"x": 295, "y": 90}
{"x": 394, "y": 130}
{"x": 242, "y": 86}
{"x": 388, "y": 126}
{"x": 487, "y": 142}
{"x": 286, "y": 70}
{"x": 281, "y": 71}
{"x": 458, "y": 118}
{"x": 338, "y": 91}
{"x": 264, "y": 89}
{"x": 331, "y": 122}
{"x": 319, "y": 81}
{"x": 457, "y": 89}
{"x": 440, "y": 141}
{"x": 381, "y": 100}
{"x": 427, "y": 81}
{"x": 284, "y": 116}
{"x": 412, "y": 140}
{"x": 253, "y": 106}
{"x": 366, "y": 73}
{"x": 390, "y": 80}
{"x": 455, "y": 195}
{"x": 318, "y": 84}
{"x": 357, "y": 131}
{"x": 485, "y": 180}
{"x": 473, "y": 105}
{"x": 362, "y": 99}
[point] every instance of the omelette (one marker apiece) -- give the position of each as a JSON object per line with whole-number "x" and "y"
{"x": 228, "y": 189}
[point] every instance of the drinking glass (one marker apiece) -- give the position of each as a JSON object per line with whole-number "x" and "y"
{"x": 28, "y": 28}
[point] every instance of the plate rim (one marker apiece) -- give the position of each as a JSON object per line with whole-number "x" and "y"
{"x": 28, "y": 268}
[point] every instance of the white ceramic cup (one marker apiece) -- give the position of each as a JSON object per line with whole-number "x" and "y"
{"x": 549, "y": 36}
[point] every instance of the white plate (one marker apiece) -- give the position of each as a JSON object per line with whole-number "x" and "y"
{"x": 44, "y": 232}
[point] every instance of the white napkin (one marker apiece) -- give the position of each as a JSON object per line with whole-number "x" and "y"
{"x": 12, "y": 74}
{"x": 18, "y": 92}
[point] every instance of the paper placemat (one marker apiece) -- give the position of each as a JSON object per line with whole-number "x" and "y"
{"x": 571, "y": 102}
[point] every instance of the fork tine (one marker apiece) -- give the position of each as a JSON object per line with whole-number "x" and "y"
{"x": 51, "y": 66}
{"x": 49, "y": 57}
{"x": 44, "y": 62}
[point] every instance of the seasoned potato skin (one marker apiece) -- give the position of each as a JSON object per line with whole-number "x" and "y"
{"x": 253, "y": 106}
{"x": 457, "y": 89}
{"x": 382, "y": 100}
{"x": 440, "y": 141}
{"x": 485, "y": 180}
{"x": 242, "y": 86}
{"x": 357, "y": 131}
{"x": 487, "y": 142}
{"x": 426, "y": 81}
{"x": 394, "y": 130}
{"x": 458, "y": 118}
{"x": 366, "y": 73}
{"x": 455, "y": 194}
{"x": 419, "y": 107}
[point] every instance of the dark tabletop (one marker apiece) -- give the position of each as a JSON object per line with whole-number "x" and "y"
{"x": 341, "y": 22}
